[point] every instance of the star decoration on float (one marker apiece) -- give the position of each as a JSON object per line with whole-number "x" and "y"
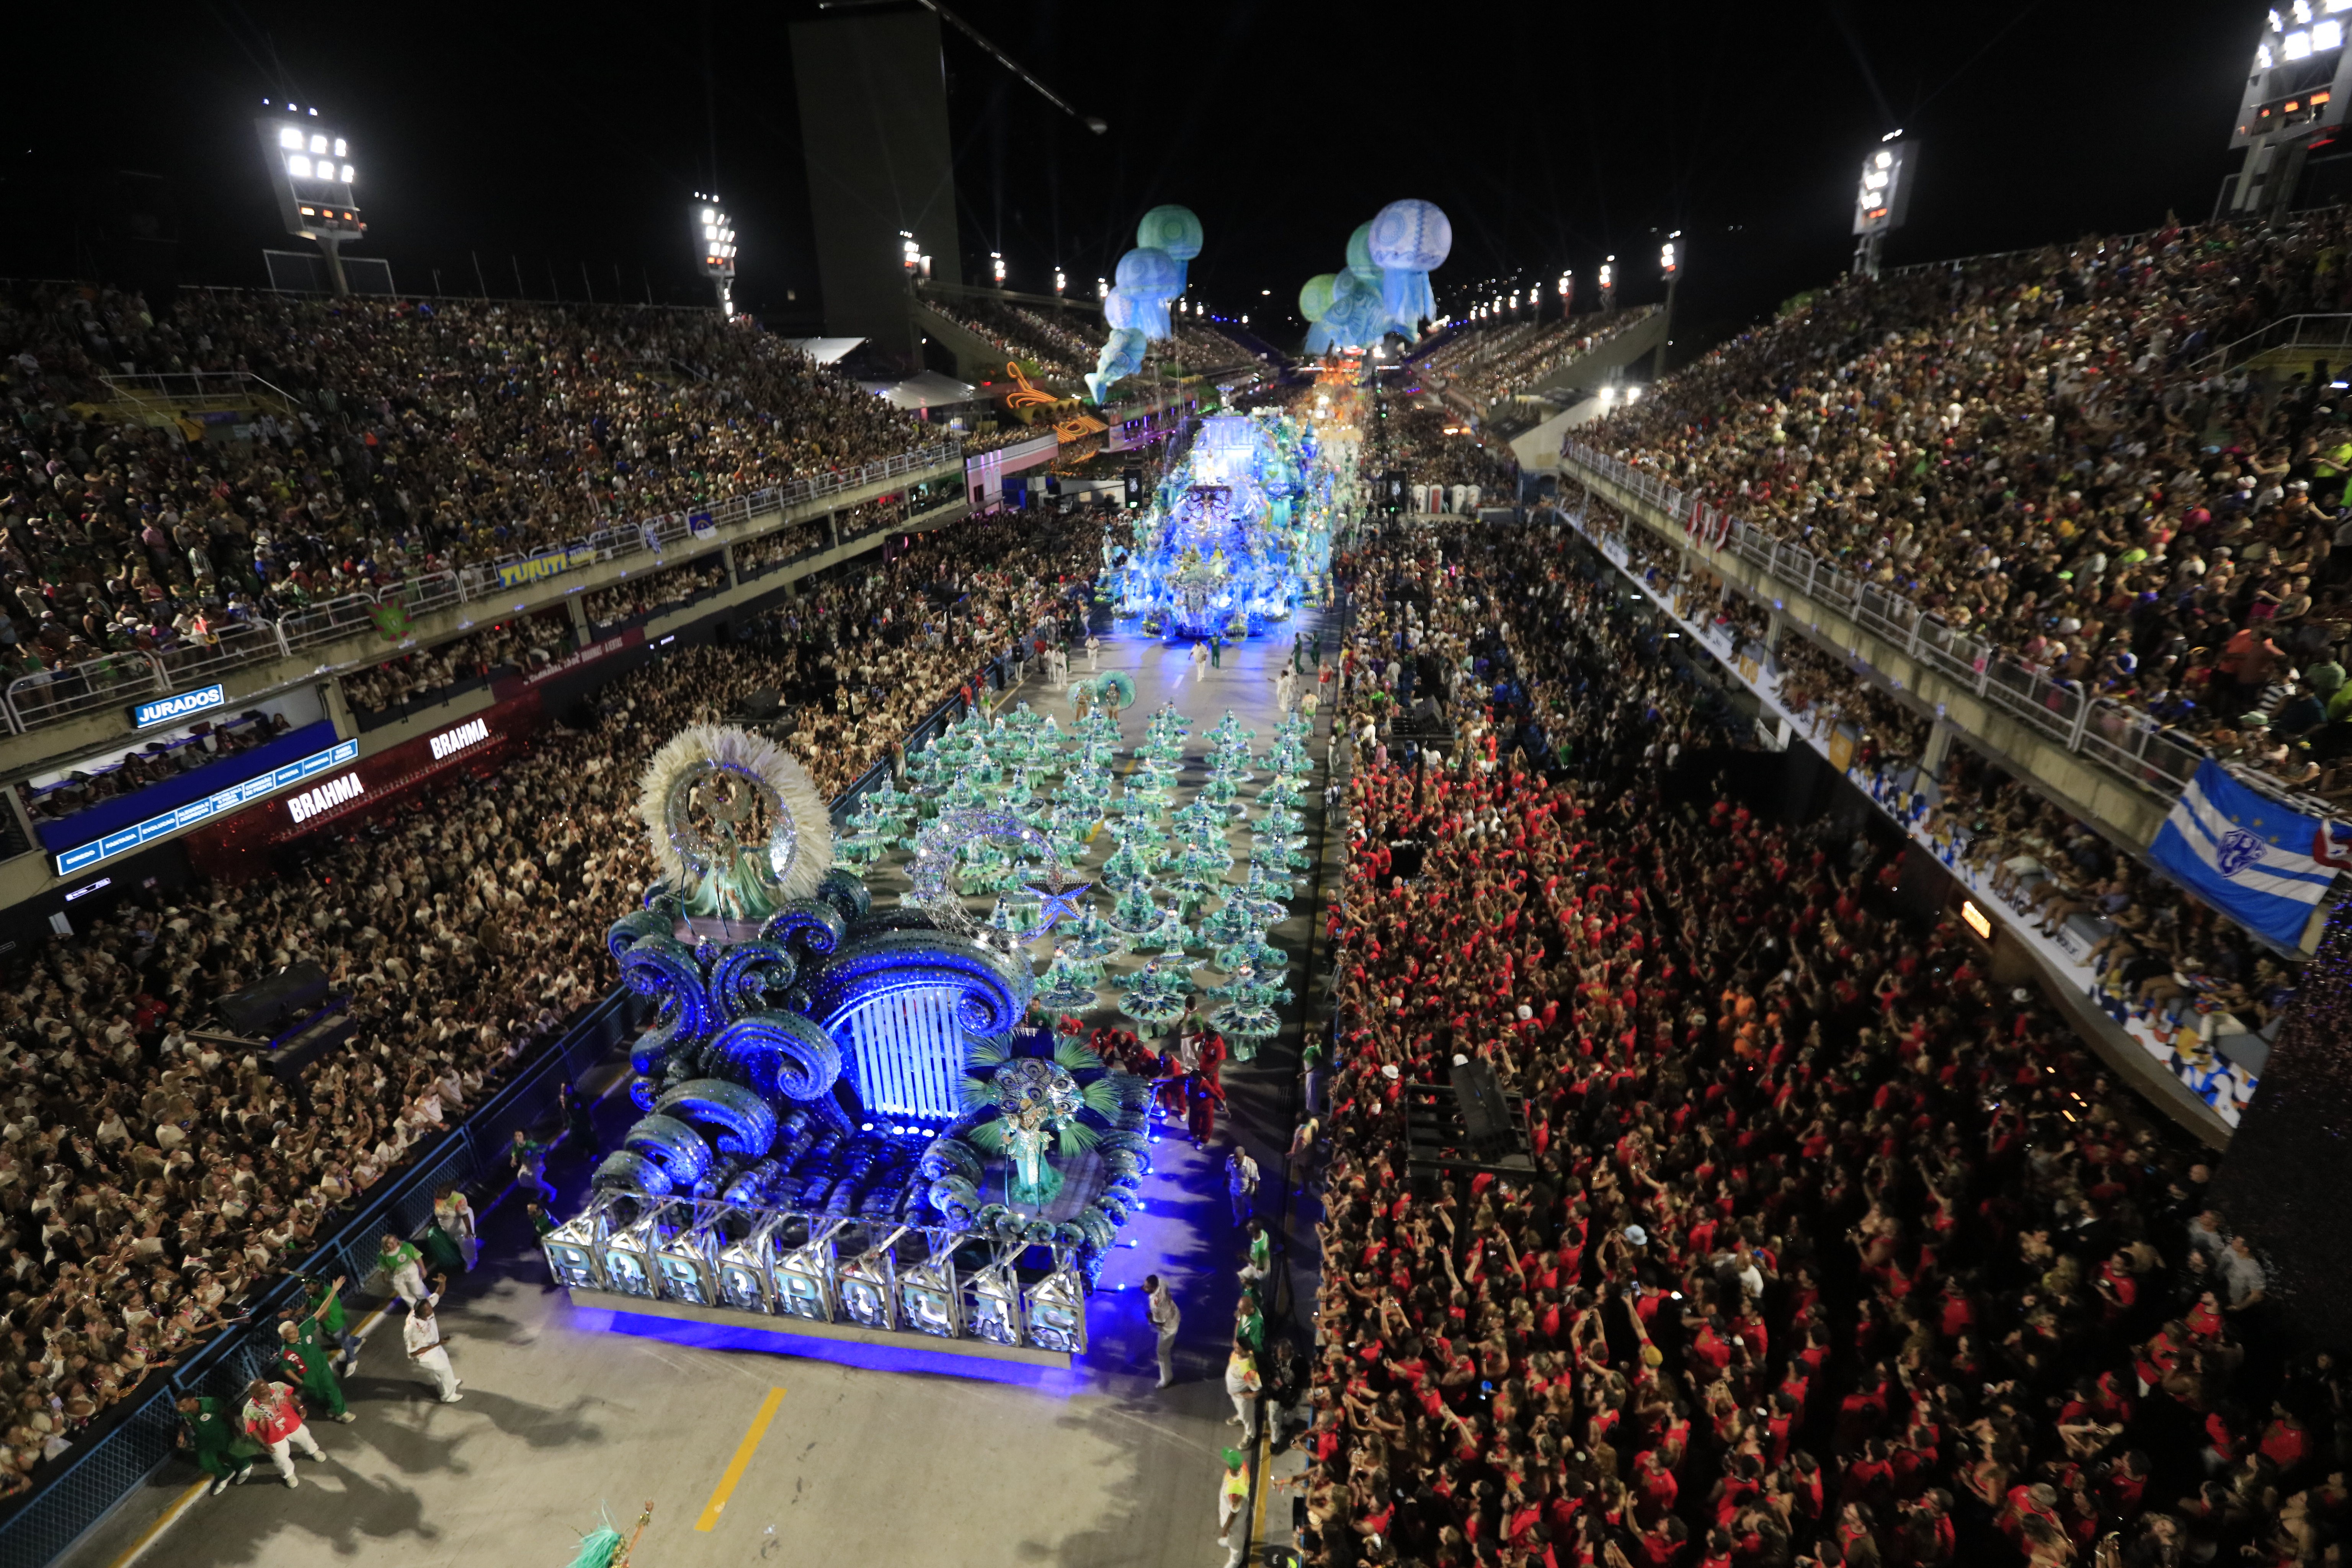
{"x": 1058, "y": 899}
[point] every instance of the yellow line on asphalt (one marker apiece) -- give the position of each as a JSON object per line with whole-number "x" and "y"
{"x": 740, "y": 1462}
{"x": 170, "y": 1517}
{"x": 1264, "y": 1484}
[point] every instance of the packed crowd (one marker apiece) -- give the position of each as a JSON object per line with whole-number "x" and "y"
{"x": 1829, "y": 1252}
{"x": 1460, "y": 469}
{"x": 1062, "y": 350}
{"x": 149, "y": 1180}
{"x": 651, "y": 592}
{"x": 2152, "y": 949}
{"x": 150, "y": 761}
{"x": 389, "y": 437}
{"x": 523, "y": 643}
{"x": 2049, "y": 451}
{"x": 1488, "y": 363}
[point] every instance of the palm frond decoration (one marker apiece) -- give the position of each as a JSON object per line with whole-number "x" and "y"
{"x": 1102, "y": 1097}
{"x": 1072, "y": 1055}
{"x": 1076, "y": 1138}
{"x": 987, "y": 1136}
{"x": 989, "y": 1053}
{"x": 975, "y": 1092}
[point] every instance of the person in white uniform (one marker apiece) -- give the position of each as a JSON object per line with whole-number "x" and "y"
{"x": 1160, "y": 1310}
{"x": 422, "y": 1334}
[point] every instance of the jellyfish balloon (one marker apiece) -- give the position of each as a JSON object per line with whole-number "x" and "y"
{"x": 1409, "y": 239}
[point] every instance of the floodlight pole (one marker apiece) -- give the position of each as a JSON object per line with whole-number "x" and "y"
{"x": 1865, "y": 253}
{"x": 1666, "y": 329}
{"x": 332, "y": 244}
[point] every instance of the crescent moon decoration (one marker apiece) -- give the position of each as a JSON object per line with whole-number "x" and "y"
{"x": 737, "y": 827}
{"x": 932, "y": 872}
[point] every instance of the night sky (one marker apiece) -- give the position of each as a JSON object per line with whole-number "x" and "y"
{"x": 544, "y": 138}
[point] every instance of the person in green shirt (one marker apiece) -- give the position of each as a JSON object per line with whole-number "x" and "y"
{"x": 324, "y": 1305}
{"x": 304, "y": 1360}
{"x": 1249, "y": 1325}
{"x": 214, "y": 1440}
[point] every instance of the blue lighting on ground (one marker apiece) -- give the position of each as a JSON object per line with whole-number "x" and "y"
{"x": 841, "y": 1353}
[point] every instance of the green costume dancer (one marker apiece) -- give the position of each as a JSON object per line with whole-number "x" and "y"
{"x": 214, "y": 1440}
{"x": 305, "y": 1361}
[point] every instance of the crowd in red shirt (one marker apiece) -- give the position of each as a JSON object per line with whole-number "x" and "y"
{"x": 1831, "y": 1252}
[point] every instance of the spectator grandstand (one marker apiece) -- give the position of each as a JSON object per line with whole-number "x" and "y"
{"x": 151, "y": 1180}
{"x": 1832, "y": 1251}
{"x": 2053, "y": 451}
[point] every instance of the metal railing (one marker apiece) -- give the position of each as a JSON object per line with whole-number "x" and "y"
{"x": 2314, "y": 331}
{"x": 2151, "y": 756}
{"x": 103, "y": 1469}
{"x": 55, "y": 696}
{"x": 199, "y": 391}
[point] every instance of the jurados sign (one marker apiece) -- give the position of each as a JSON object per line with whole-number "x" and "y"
{"x": 449, "y": 743}
{"x": 164, "y": 710}
{"x": 325, "y": 797}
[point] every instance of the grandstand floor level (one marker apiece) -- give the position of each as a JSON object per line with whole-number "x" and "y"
{"x": 846, "y": 1453}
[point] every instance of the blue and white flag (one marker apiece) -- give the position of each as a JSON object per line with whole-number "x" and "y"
{"x": 2245, "y": 854}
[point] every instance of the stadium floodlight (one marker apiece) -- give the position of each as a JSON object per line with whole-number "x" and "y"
{"x": 910, "y": 253}
{"x": 2293, "y": 101}
{"x": 1668, "y": 263}
{"x": 1102, "y": 288}
{"x": 996, "y": 261}
{"x": 311, "y": 172}
{"x": 1609, "y": 283}
{"x": 714, "y": 232}
{"x": 1060, "y": 283}
{"x": 1881, "y": 201}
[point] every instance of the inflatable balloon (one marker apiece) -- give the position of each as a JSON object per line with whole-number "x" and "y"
{"x": 1121, "y": 309}
{"x": 1357, "y": 321}
{"x": 1409, "y": 239}
{"x": 1121, "y": 357}
{"x": 1172, "y": 229}
{"x": 1152, "y": 278}
{"x": 1314, "y": 297}
{"x": 1359, "y": 255}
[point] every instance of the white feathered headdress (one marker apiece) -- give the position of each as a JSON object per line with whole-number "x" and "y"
{"x": 799, "y": 850}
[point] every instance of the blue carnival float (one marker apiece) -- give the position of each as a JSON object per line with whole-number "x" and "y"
{"x": 1237, "y": 533}
{"x": 844, "y": 1121}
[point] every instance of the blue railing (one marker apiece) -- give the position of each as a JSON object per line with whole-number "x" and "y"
{"x": 109, "y": 1462}
{"x": 113, "y": 1458}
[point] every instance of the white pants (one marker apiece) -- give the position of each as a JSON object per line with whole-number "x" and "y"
{"x": 1244, "y": 1407}
{"x": 408, "y": 1283}
{"x": 297, "y": 1438}
{"x": 1168, "y": 1357}
{"x": 435, "y": 1364}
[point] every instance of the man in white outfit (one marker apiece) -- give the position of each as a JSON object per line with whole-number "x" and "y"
{"x": 273, "y": 1418}
{"x": 422, "y": 1334}
{"x": 1094, "y": 652}
{"x": 1200, "y": 659}
{"x": 1159, "y": 1310}
{"x": 1286, "y": 687}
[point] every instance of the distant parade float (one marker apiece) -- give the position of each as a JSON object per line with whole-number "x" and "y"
{"x": 846, "y": 1122}
{"x": 1237, "y": 536}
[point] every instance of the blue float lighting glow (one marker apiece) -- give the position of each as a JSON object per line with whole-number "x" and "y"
{"x": 841, "y": 1353}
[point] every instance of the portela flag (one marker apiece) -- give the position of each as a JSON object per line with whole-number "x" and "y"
{"x": 2257, "y": 861}
{"x": 392, "y": 620}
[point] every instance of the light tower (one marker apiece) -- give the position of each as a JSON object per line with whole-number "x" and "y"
{"x": 1061, "y": 281}
{"x": 1670, "y": 267}
{"x": 1881, "y": 201}
{"x": 310, "y": 168}
{"x": 715, "y": 232}
{"x": 1567, "y": 293}
{"x": 2295, "y": 95}
{"x": 996, "y": 265}
{"x": 1609, "y": 283}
